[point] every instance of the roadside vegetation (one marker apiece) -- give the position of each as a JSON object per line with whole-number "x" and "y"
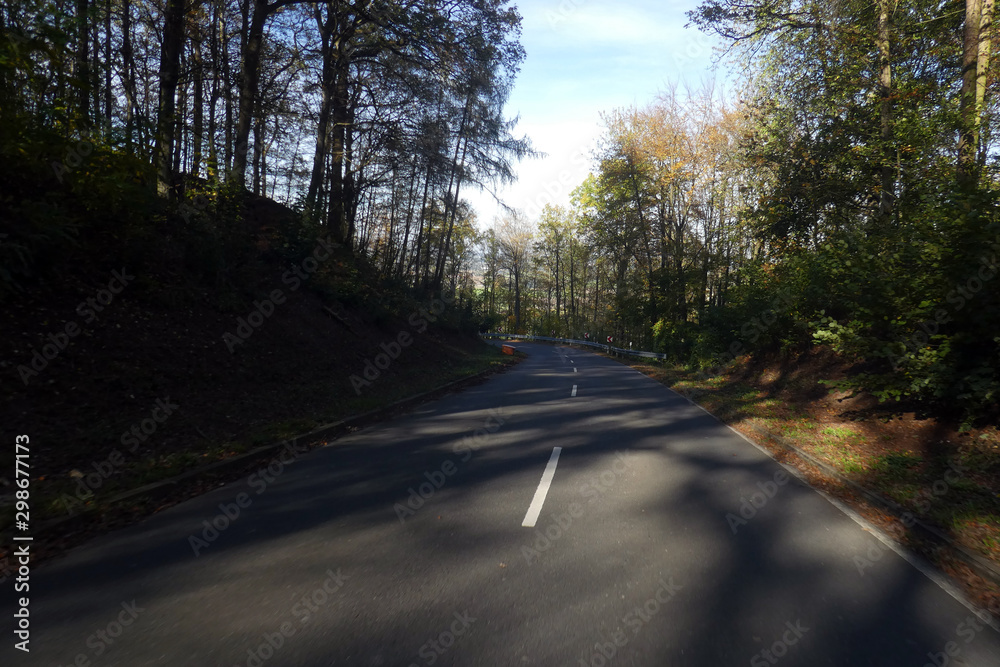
{"x": 948, "y": 478}
{"x": 844, "y": 195}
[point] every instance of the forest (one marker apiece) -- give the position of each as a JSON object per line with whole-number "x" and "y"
{"x": 843, "y": 193}
{"x": 368, "y": 118}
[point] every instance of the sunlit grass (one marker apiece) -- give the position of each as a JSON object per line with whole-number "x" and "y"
{"x": 837, "y": 431}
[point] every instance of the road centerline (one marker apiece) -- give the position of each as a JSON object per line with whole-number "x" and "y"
{"x": 535, "y": 508}
{"x": 573, "y": 393}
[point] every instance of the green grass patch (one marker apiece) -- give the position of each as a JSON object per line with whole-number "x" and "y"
{"x": 837, "y": 432}
{"x": 894, "y": 466}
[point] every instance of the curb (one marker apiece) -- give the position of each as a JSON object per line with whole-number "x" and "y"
{"x": 156, "y": 488}
{"x": 981, "y": 566}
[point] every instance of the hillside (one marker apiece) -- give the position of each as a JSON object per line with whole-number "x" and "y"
{"x": 129, "y": 369}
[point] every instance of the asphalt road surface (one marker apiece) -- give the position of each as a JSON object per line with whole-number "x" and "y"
{"x": 568, "y": 512}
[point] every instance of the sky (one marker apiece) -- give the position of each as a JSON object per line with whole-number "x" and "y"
{"x": 585, "y": 57}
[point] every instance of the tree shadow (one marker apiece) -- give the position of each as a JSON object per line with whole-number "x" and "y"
{"x": 794, "y": 560}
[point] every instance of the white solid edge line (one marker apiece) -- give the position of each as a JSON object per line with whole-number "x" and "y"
{"x": 573, "y": 393}
{"x": 543, "y": 489}
{"x": 916, "y": 561}
{"x": 913, "y": 559}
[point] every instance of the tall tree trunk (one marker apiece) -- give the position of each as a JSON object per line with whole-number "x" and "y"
{"x": 228, "y": 88}
{"x": 888, "y": 181}
{"x": 517, "y": 300}
{"x": 681, "y": 284}
{"x": 409, "y": 220}
{"x": 262, "y": 123}
{"x": 83, "y": 60}
{"x": 337, "y": 220}
{"x": 96, "y": 99}
{"x": 452, "y": 204}
{"x": 128, "y": 65}
{"x": 352, "y": 175}
{"x": 645, "y": 240}
{"x": 446, "y": 246}
{"x": 983, "y": 66}
{"x": 198, "y": 72}
{"x": 258, "y": 152}
{"x": 558, "y": 302}
{"x": 173, "y": 39}
{"x": 388, "y": 251}
{"x": 291, "y": 169}
{"x": 597, "y": 293}
{"x": 571, "y": 311}
{"x": 420, "y": 228}
{"x": 969, "y": 112}
{"x": 147, "y": 134}
{"x": 213, "y": 157}
{"x": 249, "y": 85}
{"x": 181, "y": 137}
{"x": 326, "y": 28}
{"x": 108, "y": 103}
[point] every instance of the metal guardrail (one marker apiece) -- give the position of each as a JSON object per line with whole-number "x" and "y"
{"x": 586, "y": 343}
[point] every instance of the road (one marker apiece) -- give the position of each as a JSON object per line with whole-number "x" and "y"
{"x": 662, "y": 538}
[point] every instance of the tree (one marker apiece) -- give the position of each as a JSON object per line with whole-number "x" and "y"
{"x": 977, "y": 44}
{"x": 170, "y": 54}
{"x": 514, "y": 237}
{"x": 554, "y": 233}
{"x": 374, "y": 118}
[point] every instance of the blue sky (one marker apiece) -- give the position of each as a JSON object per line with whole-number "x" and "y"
{"x": 585, "y": 57}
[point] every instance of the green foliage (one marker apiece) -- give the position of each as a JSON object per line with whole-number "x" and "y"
{"x": 900, "y": 285}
